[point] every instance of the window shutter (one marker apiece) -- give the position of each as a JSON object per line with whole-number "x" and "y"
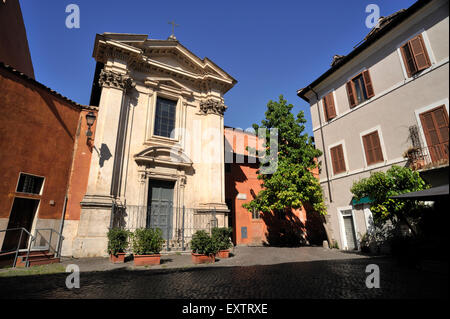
{"x": 334, "y": 160}
{"x": 408, "y": 60}
{"x": 328, "y": 107}
{"x": 337, "y": 158}
{"x": 419, "y": 53}
{"x": 435, "y": 128}
{"x": 325, "y": 108}
{"x": 378, "y": 153}
{"x": 368, "y": 149}
{"x": 351, "y": 95}
{"x": 341, "y": 160}
{"x": 368, "y": 84}
{"x": 372, "y": 148}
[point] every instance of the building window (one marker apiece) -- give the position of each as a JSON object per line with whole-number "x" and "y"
{"x": 435, "y": 129}
{"x": 328, "y": 106}
{"x": 256, "y": 214}
{"x": 164, "y": 117}
{"x": 360, "y": 88}
{"x": 372, "y": 148}
{"x": 415, "y": 56}
{"x": 337, "y": 159}
{"x": 30, "y": 184}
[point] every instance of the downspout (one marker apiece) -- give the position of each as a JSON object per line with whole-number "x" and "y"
{"x": 324, "y": 221}
{"x": 63, "y": 216}
{"x": 323, "y": 144}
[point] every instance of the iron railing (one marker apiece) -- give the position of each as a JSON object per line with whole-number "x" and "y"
{"x": 427, "y": 157}
{"x": 38, "y": 242}
{"x": 19, "y": 243}
{"x": 177, "y": 224}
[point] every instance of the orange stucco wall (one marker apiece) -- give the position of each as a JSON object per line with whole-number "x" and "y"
{"x": 80, "y": 169}
{"x": 37, "y": 136}
{"x": 242, "y": 179}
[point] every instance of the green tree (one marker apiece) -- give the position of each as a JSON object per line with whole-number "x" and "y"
{"x": 293, "y": 184}
{"x": 380, "y": 186}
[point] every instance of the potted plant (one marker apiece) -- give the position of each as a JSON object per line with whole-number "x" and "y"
{"x": 415, "y": 157}
{"x": 203, "y": 248}
{"x": 117, "y": 244}
{"x": 222, "y": 238}
{"x": 146, "y": 245}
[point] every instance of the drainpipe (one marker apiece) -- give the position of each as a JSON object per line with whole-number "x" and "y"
{"x": 324, "y": 222}
{"x": 323, "y": 144}
{"x": 63, "y": 216}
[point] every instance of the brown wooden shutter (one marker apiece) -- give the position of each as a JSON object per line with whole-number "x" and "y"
{"x": 341, "y": 158}
{"x": 408, "y": 60}
{"x": 334, "y": 160}
{"x": 325, "y": 108}
{"x": 328, "y": 106}
{"x": 435, "y": 128}
{"x": 419, "y": 53}
{"x": 378, "y": 153}
{"x": 331, "y": 107}
{"x": 372, "y": 148}
{"x": 337, "y": 158}
{"x": 351, "y": 94}
{"x": 368, "y": 84}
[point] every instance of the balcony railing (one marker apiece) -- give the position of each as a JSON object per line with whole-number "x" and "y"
{"x": 428, "y": 157}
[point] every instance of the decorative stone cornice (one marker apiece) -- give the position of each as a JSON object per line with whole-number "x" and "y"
{"x": 212, "y": 107}
{"x": 116, "y": 80}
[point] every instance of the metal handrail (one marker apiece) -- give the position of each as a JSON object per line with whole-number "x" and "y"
{"x": 32, "y": 238}
{"x": 60, "y": 236}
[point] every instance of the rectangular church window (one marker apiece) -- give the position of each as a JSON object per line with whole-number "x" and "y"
{"x": 164, "y": 117}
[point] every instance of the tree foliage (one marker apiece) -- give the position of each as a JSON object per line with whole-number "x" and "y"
{"x": 380, "y": 186}
{"x": 293, "y": 183}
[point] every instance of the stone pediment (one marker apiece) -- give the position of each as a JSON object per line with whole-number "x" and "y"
{"x": 165, "y": 155}
{"x": 167, "y": 57}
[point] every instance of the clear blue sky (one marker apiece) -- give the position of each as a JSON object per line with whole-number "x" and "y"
{"x": 270, "y": 47}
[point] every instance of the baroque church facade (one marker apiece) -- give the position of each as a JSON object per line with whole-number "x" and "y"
{"x": 157, "y": 150}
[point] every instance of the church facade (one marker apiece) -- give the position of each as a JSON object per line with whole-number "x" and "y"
{"x": 157, "y": 150}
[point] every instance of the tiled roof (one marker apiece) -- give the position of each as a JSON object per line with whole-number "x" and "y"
{"x": 385, "y": 24}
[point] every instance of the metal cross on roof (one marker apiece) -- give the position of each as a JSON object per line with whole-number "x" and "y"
{"x": 173, "y": 27}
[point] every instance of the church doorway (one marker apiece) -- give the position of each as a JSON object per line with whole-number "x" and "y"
{"x": 160, "y": 206}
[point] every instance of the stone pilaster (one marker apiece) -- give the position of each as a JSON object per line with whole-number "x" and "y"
{"x": 97, "y": 204}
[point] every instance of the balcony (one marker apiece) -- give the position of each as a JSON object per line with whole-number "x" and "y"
{"x": 427, "y": 157}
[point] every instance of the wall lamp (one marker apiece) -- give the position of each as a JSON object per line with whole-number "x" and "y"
{"x": 90, "y": 119}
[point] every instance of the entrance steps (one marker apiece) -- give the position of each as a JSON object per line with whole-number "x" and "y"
{"x": 35, "y": 258}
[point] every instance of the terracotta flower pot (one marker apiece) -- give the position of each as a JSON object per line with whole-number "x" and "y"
{"x": 203, "y": 259}
{"x": 223, "y": 253}
{"x": 142, "y": 260}
{"x": 117, "y": 259}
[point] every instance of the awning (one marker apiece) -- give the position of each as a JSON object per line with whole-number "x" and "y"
{"x": 364, "y": 200}
{"x": 430, "y": 194}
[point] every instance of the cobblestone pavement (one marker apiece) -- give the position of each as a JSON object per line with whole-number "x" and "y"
{"x": 241, "y": 256}
{"x": 337, "y": 275}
